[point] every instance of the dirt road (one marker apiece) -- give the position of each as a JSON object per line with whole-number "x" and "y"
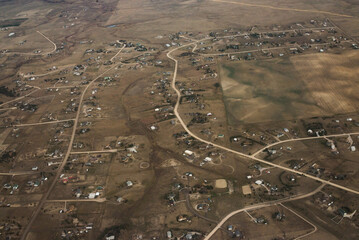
{"x": 261, "y": 205}
{"x": 94, "y": 152}
{"x": 283, "y": 8}
{"x": 173, "y": 85}
{"x": 41, "y": 123}
{"x": 63, "y": 163}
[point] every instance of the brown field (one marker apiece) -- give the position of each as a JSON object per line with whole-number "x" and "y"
{"x": 258, "y": 100}
{"x": 285, "y": 89}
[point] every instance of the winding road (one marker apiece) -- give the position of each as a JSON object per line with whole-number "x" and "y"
{"x": 261, "y": 205}
{"x": 35, "y": 54}
{"x": 173, "y": 85}
{"x": 252, "y": 157}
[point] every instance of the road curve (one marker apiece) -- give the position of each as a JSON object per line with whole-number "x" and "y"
{"x": 173, "y": 85}
{"x": 48, "y": 39}
{"x": 307, "y": 234}
{"x": 261, "y": 205}
{"x": 36, "y": 54}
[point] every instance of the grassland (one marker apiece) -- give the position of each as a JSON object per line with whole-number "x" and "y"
{"x": 289, "y": 88}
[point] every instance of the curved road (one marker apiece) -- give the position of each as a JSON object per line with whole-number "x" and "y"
{"x": 261, "y": 205}
{"x": 35, "y": 54}
{"x": 307, "y": 234}
{"x": 48, "y": 39}
{"x": 173, "y": 85}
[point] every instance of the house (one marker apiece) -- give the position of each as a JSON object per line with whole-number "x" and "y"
{"x": 261, "y": 220}
{"x": 344, "y": 213}
{"x": 92, "y": 195}
{"x": 237, "y": 233}
{"x": 188, "y": 152}
{"x": 259, "y": 182}
{"x": 129, "y": 184}
{"x": 278, "y": 216}
{"x": 132, "y": 149}
{"x": 189, "y": 236}
{"x": 78, "y": 193}
{"x": 182, "y": 218}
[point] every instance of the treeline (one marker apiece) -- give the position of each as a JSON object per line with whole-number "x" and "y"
{"x": 7, "y": 92}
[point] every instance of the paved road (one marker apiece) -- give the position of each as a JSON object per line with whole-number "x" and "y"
{"x": 63, "y": 163}
{"x": 173, "y": 85}
{"x": 283, "y": 8}
{"x": 261, "y": 205}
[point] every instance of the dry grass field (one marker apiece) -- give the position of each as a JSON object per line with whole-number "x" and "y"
{"x": 50, "y": 116}
{"x": 290, "y": 88}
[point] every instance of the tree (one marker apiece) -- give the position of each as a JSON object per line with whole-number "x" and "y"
{"x": 217, "y": 85}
